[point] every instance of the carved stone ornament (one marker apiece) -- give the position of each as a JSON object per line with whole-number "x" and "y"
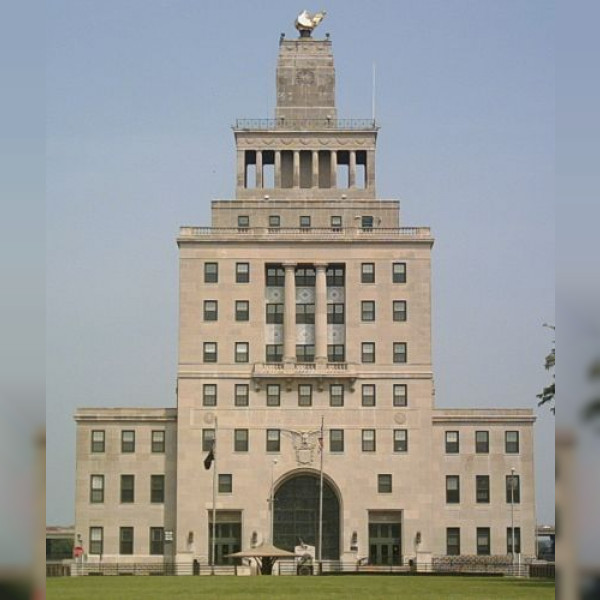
{"x": 306, "y": 444}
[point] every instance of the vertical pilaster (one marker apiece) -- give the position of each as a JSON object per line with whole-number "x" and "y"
{"x": 315, "y": 169}
{"x": 241, "y": 169}
{"x": 321, "y": 313}
{"x": 259, "y": 169}
{"x": 352, "y": 170}
{"x": 370, "y": 175}
{"x": 277, "y": 168}
{"x": 289, "y": 315}
{"x": 296, "y": 170}
{"x": 334, "y": 168}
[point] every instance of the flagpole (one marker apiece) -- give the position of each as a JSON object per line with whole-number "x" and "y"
{"x": 214, "y": 504}
{"x": 321, "y": 500}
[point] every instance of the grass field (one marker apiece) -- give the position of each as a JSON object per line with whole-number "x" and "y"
{"x": 369, "y": 587}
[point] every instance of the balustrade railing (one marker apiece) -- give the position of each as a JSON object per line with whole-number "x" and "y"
{"x": 305, "y": 124}
{"x": 316, "y": 232}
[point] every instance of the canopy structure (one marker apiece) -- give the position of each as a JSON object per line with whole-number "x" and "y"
{"x": 265, "y": 555}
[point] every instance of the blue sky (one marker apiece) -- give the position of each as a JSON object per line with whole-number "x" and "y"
{"x": 140, "y": 100}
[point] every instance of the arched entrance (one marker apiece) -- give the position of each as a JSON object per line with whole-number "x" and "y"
{"x": 296, "y": 515}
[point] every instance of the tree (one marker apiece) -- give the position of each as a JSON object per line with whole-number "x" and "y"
{"x": 592, "y": 410}
{"x": 547, "y": 394}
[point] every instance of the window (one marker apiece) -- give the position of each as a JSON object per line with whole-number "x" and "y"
{"x": 274, "y": 353}
{"x": 509, "y": 540}
{"x": 241, "y": 352}
{"x": 399, "y": 272}
{"x": 304, "y": 221}
{"x": 368, "y": 395}
{"x": 225, "y": 485}
{"x": 274, "y": 221}
{"x": 335, "y": 314}
{"x": 208, "y": 439}
{"x": 211, "y": 272}
{"x": 127, "y": 489}
{"x": 98, "y": 440}
{"x": 128, "y": 441}
{"x": 209, "y": 394}
{"x": 157, "y": 489}
{"x": 97, "y": 489}
{"x": 336, "y": 440}
{"x": 275, "y": 313}
{"x": 384, "y": 484}
{"x": 125, "y": 540}
{"x": 305, "y": 276}
{"x": 241, "y": 394}
{"x": 336, "y": 394}
{"x": 367, "y": 310}
{"x": 305, "y": 395}
{"x": 400, "y": 440}
{"x": 452, "y": 489}
{"x": 242, "y": 310}
{"x": 400, "y": 394}
{"x": 399, "y": 352}
{"x": 273, "y": 395}
{"x": 211, "y": 311}
{"x": 96, "y": 540}
{"x": 513, "y": 489}
{"x": 452, "y": 442}
{"x": 242, "y": 272}
{"x": 336, "y": 222}
{"x": 305, "y": 353}
{"x": 368, "y": 440}
{"x": 275, "y": 276}
{"x": 243, "y": 221}
{"x": 368, "y": 352}
{"x": 273, "y": 440}
{"x": 453, "y": 541}
{"x": 482, "y": 442}
{"x": 240, "y": 440}
{"x": 157, "y": 540}
{"x": 335, "y": 276}
{"x": 336, "y": 352}
{"x": 366, "y": 222}
{"x": 305, "y": 314}
{"x": 367, "y": 273}
{"x": 399, "y": 310}
{"x": 512, "y": 442}
{"x": 210, "y": 352}
{"x": 158, "y": 441}
{"x": 482, "y": 489}
{"x": 483, "y": 541}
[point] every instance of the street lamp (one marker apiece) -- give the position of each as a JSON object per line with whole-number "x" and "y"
{"x": 272, "y": 500}
{"x": 512, "y": 515}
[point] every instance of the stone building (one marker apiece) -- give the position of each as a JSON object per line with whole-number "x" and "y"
{"x": 305, "y": 323}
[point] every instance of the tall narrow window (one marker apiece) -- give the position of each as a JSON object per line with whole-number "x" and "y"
{"x": 512, "y": 442}
{"x": 209, "y": 394}
{"x": 400, "y": 440}
{"x": 482, "y": 442}
{"x": 367, "y": 310}
{"x": 242, "y": 391}
{"x": 400, "y": 394}
{"x": 368, "y": 394}
{"x": 509, "y": 540}
{"x": 384, "y": 483}
{"x": 128, "y": 441}
{"x": 211, "y": 311}
{"x": 242, "y": 272}
{"x": 98, "y": 440}
{"x": 336, "y": 394}
{"x": 127, "y": 489}
{"x": 96, "y": 540}
{"x": 242, "y": 310}
{"x": 453, "y": 541}
{"x": 209, "y": 352}
{"x": 157, "y": 540}
{"x": 400, "y": 352}
{"x": 158, "y": 441}
{"x": 97, "y": 489}
{"x": 241, "y": 352}
{"x": 211, "y": 272}
{"x": 225, "y": 483}
{"x": 336, "y": 440}
{"x": 452, "y": 489}
{"x": 273, "y": 440}
{"x": 482, "y": 489}
{"x": 399, "y": 272}
{"x": 368, "y": 440}
{"x": 367, "y": 273}
{"x": 240, "y": 440}
{"x": 273, "y": 395}
{"x": 368, "y": 352}
{"x": 305, "y": 395}
{"x": 157, "y": 489}
{"x": 513, "y": 489}
{"x": 208, "y": 439}
{"x": 483, "y": 541}
{"x": 125, "y": 540}
{"x": 452, "y": 442}
{"x": 399, "y": 310}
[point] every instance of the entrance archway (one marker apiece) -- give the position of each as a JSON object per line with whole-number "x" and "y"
{"x": 296, "y": 516}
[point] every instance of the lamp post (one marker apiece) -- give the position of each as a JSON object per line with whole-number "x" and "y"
{"x": 272, "y": 501}
{"x": 512, "y": 515}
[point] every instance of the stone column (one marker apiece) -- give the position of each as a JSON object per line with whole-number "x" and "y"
{"x": 259, "y": 169}
{"x": 296, "y": 180}
{"x": 334, "y": 168}
{"x": 370, "y": 176}
{"x": 289, "y": 316}
{"x": 351, "y": 170}
{"x": 321, "y": 314}
{"x": 277, "y": 168}
{"x": 315, "y": 169}
{"x": 241, "y": 169}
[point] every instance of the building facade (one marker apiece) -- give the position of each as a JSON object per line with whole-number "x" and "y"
{"x": 305, "y": 350}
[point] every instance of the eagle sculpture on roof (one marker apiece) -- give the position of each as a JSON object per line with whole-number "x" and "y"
{"x": 306, "y": 22}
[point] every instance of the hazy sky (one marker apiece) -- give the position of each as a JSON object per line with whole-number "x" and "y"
{"x": 140, "y": 99}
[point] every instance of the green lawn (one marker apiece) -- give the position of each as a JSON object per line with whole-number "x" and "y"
{"x": 369, "y": 587}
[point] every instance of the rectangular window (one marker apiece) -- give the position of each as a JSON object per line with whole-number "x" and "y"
{"x": 305, "y": 353}
{"x": 400, "y": 394}
{"x": 225, "y": 484}
{"x": 336, "y": 222}
{"x": 400, "y": 440}
{"x": 335, "y": 314}
{"x": 242, "y": 310}
{"x": 157, "y": 540}
{"x": 336, "y": 394}
{"x": 305, "y": 314}
{"x": 243, "y": 221}
{"x": 211, "y": 310}
{"x": 96, "y": 489}
{"x": 513, "y": 489}
{"x": 399, "y": 310}
{"x": 453, "y": 541}
{"x": 512, "y": 442}
{"x": 274, "y": 314}
{"x": 336, "y": 352}
{"x": 452, "y": 442}
{"x": 211, "y": 272}
{"x": 273, "y": 440}
{"x": 209, "y": 352}
{"x": 157, "y": 489}
{"x": 241, "y": 392}
{"x": 305, "y": 395}
{"x": 482, "y": 489}
{"x": 127, "y": 489}
{"x": 96, "y": 540}
{"x": 241, "y": 352}
{"x": 368, "y": 395}
{"x": 509, "y": 540}
{"x": 98, "y": 440}
{"x": 400, "y": 352}
{"x": 336, "y": 440}
{"x": 304, "y": 221}
{"x": 125, "y": 540}
{"x": 368, "y": 352}
{"x": 367, "y": 310}
{"x": 240, "y": 440}
{"x": 452, "y": 489}
{"x": 305, "y": 277}
{"x": 242, "y": 272}
{"x": 274, "y": 353}
{"x": 483, "y": 541}
{"x": 366, "y": 222}
{"x": 274, "y": 221}
{"x": 482, "y": 442}
{"x": 335, "y": 276}
{"x": 399, "y": 272}
{"x": 275, "y": 276}
{"x": 384, "y": 483}
{"x": 273, "y": 395}
{"x": 128, "y": 441}
{"x": 368, "y": 440}
{"x": 367, "y": 273}
{"x": 158, "y": 441}
{"x": 209, "y": 394}
{"x": 208, "y": 439}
